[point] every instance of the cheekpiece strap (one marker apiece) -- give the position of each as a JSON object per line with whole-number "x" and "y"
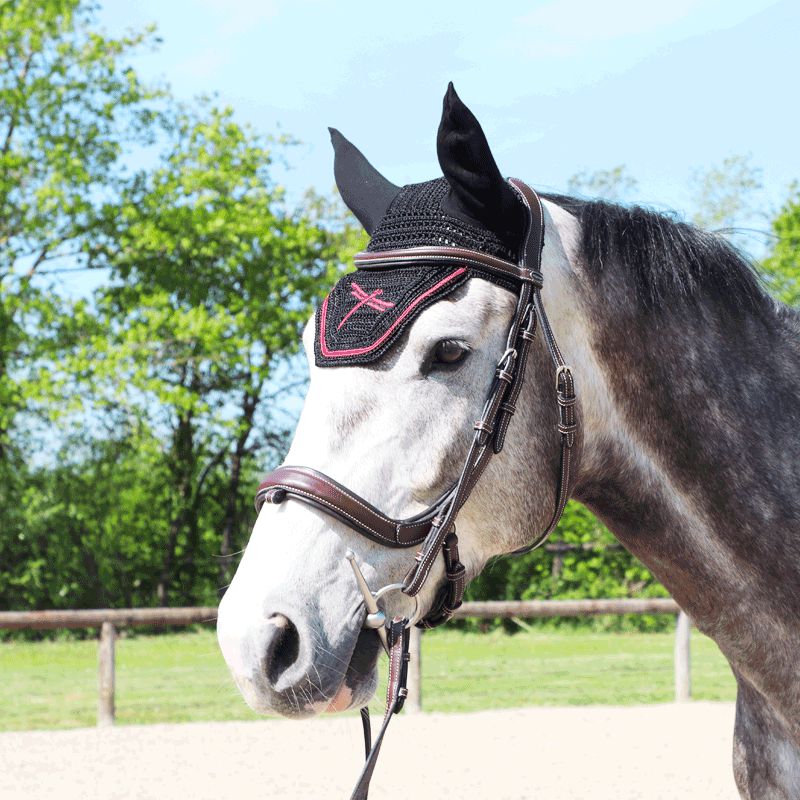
{"x": 399, "y": 636}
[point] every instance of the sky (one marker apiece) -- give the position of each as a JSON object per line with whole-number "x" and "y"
{"x": 667, "y": 89}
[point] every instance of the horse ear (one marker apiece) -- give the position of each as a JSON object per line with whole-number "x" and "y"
{"x": 478, "y": 192}
{"x": 364, "y": 190}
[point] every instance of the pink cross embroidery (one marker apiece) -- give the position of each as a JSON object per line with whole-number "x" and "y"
{"x": 364, "y": 299}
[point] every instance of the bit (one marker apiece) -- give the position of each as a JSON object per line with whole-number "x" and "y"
{"x": 375, "y": 617}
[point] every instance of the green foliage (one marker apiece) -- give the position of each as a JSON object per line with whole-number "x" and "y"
{"x": 781, "y": 267}
{"x": 175, "y": 368}
{"x": 212, "y": 282}
{"x": 88, "y": 528}
{"x": 68, "y": 105}
{"x": 581, "y": 559}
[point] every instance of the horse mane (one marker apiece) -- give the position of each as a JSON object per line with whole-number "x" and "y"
{"x": 668, "y": 259}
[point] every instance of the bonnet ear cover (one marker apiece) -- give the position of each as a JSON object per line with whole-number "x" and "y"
{"x": 478, "y": 194}
{"x": 364, "y": 190}
{"x": 472, "y": 207}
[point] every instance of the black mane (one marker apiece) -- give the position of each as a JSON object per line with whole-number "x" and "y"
{"x": 667, "y": 259}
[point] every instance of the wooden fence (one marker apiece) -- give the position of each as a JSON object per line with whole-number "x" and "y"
{"x": 109, "y": 620}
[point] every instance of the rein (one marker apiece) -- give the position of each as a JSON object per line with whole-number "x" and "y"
{"x": 434, "y": 528}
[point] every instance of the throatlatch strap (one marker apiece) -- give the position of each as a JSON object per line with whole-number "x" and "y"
{"x": 399, "y": 642}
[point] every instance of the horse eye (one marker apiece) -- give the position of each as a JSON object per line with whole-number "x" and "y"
{"x": 449, "y": 352}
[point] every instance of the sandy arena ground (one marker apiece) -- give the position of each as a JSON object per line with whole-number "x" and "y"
{"x": 599, "y": 753}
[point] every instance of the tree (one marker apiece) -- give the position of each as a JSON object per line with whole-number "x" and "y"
{"x": 89, "y": 526}
{"x": 213, "y": 277}
{"x": 725, "y": 193}
{"x": 176, "y": 368}
{"x": 781, "y": 267}
{"x": 68, "y": 107}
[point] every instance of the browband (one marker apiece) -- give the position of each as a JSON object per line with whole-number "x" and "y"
{"x": 401, "y": 257}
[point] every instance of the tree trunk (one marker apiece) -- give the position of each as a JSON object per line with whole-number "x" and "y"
{"x": 183, "y": 468}
{"x": 231, "y": 518}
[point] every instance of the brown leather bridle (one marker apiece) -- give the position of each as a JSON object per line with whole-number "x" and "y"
{"x": 434, "y": 528}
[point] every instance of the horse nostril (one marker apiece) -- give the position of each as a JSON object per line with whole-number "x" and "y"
{"x": 282, "y": 647}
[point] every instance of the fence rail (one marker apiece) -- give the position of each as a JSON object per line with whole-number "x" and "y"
{"x": 95, "y": 617}
{"x": 109, "y": 620}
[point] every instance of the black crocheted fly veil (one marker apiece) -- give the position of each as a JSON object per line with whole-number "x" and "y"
{"x": 416, "y": 219}
{"x": 368, "y": 310}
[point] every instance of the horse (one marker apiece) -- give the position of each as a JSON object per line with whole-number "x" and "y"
{"x": 687, "y": 375}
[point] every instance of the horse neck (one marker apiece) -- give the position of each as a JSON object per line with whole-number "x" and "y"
{"x": 690, "y": 437}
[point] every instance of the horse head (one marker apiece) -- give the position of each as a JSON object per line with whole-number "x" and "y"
{"x": 401, "y": 361}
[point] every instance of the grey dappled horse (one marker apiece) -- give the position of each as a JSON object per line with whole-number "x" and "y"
{"x": 687, "y": 376}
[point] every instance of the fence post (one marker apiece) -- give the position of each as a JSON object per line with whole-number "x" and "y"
{"x": 683, "y": 664}
{"x": 105, "y": 674}
{"x": 414, "y": 700}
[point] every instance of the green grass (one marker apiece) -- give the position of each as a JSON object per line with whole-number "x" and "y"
{"x": 560, "y": 668}
{"x": 182, "y": 677}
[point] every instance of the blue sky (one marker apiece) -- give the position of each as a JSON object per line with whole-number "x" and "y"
{"x": 560, "y": 87}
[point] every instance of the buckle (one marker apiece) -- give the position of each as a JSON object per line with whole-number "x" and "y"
{"x": 564, "y": 369}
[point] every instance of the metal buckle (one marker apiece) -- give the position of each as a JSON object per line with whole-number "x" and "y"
{"x": 564, "y": 368}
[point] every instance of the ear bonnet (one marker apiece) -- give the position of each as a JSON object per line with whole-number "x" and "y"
{"x": 472, "y": 207}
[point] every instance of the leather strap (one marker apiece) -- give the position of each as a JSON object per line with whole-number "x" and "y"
{"x": 567, "y": 428}
{"x": 491, "y": 428}
{"x": 399, "y": 636}
{"x": 319, "y": 490}
{"x": 449, "y": 255}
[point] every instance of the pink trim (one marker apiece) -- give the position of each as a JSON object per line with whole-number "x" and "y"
{"x": 364, "y": 299}
{"x": 328, "y": 353}
{"x": 360, "y": 294}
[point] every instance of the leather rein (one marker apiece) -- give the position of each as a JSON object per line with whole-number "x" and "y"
{"x": 433, "y": 530}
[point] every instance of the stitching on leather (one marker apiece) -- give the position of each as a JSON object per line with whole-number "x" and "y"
{"x": 514, "y": 273}
{"x": 326, "y": 501}
{"x": 328, "y": 482}
{"x": 388, "y": 520}
{"x": 395, "y": 524}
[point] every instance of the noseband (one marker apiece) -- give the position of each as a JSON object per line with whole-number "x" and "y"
{"x": 433, "y": 530}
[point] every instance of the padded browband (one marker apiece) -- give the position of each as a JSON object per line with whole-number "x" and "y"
{"x": 449, "y": 255}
